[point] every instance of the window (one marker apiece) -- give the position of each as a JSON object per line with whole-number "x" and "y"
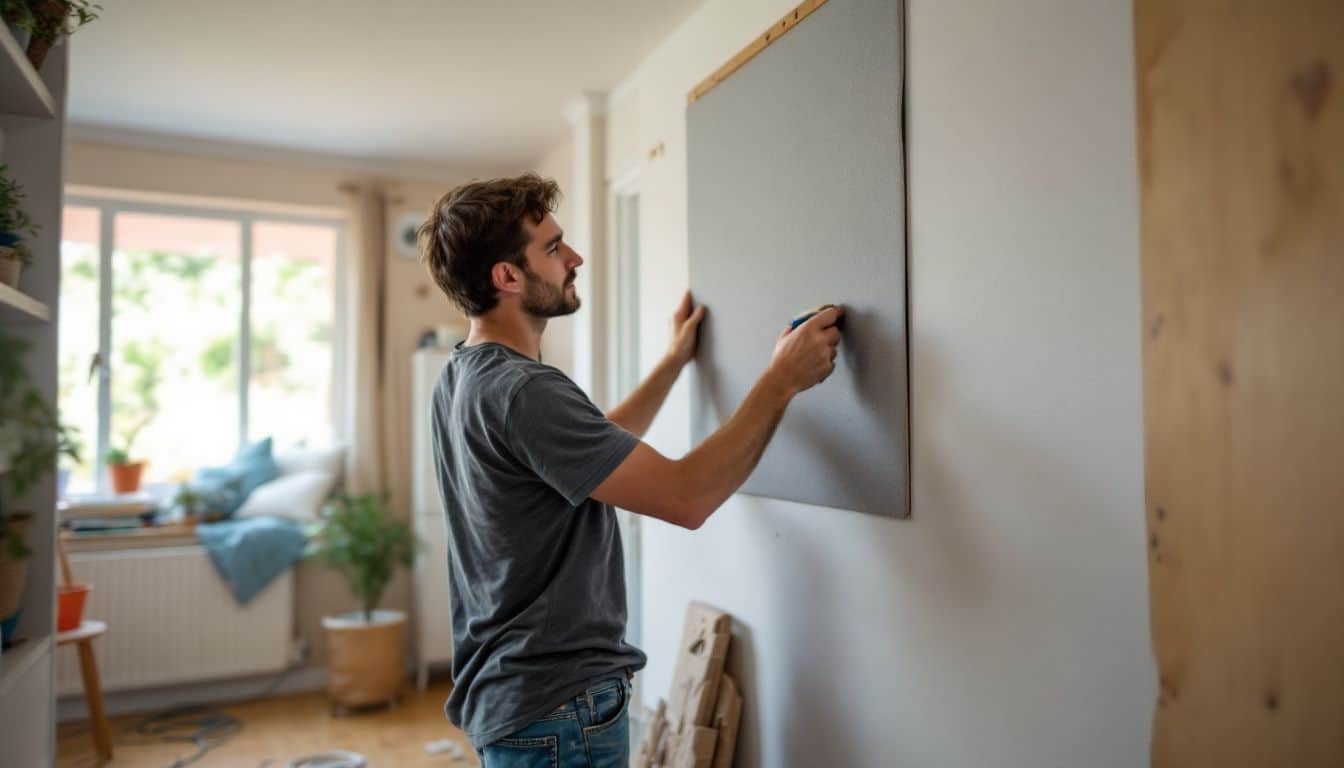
{"x": 186, "y": 332}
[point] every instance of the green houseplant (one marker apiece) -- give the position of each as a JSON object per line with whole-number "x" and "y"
{"x": 14, "y": 225}
{"x": 359, "y": 538}
{"x": 31, "y": 439}
{"x": 124, "y": 471}
{"x": 19, "y": 18}
{"x": 55, "y": 20}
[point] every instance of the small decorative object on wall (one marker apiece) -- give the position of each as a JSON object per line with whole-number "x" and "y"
{"x": 55, "y": 20}
{"x": 404, "y": 235}
{"x": 14, "y": 225}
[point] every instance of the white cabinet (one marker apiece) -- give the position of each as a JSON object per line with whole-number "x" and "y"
{"x": 433, "y": 617}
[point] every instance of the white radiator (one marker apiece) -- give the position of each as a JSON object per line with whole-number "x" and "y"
{"x": 171, "y": 619}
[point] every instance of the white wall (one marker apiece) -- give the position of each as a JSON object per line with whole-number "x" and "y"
{"x": 1006, "y": 624}
{"x": 557, "y": 345}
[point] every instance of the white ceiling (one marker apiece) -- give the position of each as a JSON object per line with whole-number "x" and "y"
{"x": 466, "y": 84}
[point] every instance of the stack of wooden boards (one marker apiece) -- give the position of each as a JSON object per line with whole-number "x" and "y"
{"x": 697, "y": 726}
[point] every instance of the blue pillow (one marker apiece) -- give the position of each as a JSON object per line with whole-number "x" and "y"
{"x": 221, "y": 489}
{"x": 256, "y": 465}
{"x": 227, "y": 487}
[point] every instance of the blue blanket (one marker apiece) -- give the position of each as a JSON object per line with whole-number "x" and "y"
{"x": 250, "y": 553}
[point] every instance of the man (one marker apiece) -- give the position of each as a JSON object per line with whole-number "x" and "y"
{"x": 529, "y": 470}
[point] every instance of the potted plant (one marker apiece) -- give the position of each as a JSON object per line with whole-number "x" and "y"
{"x": 358, "y": 537}
{"x": 55, "y": 20}
{"x": 190, "y": 502}
{"x": 14, "y": 224}
{"x": 31, "y": 440}
{"x": 14, "y": 554}
{"x": 19, "y": 18}
{"x": 124, "y": 472}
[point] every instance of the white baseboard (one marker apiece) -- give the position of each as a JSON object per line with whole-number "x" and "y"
{"x": 294, "y": 680}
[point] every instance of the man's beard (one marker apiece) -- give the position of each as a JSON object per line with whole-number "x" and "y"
{"x": 541, "y": 299}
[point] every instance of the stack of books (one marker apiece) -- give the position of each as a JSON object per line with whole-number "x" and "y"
{"x": 106, "y": 514}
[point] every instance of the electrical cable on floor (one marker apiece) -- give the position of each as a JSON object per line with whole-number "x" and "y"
{"x": 203, "y": 725}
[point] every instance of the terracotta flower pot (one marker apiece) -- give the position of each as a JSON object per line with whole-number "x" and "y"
{"x": 70, "y": 606}
{"x": 37, "y": 52}
{"x": 13, "y": 573}
{"x": 366, "y": 661}
{"x": 126, "y": 477}
{"x": 38, "y": 48}
{"x": 10, "y": 267}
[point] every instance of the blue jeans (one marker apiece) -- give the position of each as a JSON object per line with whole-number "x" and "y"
{"x": 591, "y": 730}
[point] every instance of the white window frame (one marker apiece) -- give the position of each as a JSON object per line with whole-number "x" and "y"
{"x": 108, "y": 206}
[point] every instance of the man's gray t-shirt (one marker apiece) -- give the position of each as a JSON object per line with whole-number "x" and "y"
{"x": 536, "y": 570}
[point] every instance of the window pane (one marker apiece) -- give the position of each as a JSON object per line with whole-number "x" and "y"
{"x": 78, "y": 391}
{"x": 293, "y": 292}
{"x": 176, "y": 309}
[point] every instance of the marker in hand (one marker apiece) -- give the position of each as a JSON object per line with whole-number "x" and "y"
{"x": 803, "y": 318}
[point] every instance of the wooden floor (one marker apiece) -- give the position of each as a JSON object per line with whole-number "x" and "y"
{"x": 278, "y": 730}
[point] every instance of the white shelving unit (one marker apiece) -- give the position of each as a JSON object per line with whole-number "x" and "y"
{"x": 32, "y": 124}
{"x": 17, "y": 308}
{"x": 22, "y": 90}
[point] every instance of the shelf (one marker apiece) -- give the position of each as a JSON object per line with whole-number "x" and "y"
{"x": 22, "y": 91}
{"x": 16, "y": 661}
{"x": 16, "y": 306}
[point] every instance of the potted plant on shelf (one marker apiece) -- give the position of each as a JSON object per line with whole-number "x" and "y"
{"x": 190, "y": 502}
{"x": 14, "y": 554}
{"x": 124, "y": 472}
{"x": 358, "y": 537}
{"x": 14, "y": 224}
{"x": 19, "y": 18}
{"x": 55, "y": 20}
{"x": 31, "y": 440}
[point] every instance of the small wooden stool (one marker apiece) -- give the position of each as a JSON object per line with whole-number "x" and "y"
{"x": 83, "y": 636}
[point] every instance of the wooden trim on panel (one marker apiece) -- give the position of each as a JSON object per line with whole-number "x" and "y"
{"x": 775, "y": 32}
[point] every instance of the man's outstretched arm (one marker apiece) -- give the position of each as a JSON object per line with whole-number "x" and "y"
{"x": 638, "y": 410}
{"x": 686, "y": 492}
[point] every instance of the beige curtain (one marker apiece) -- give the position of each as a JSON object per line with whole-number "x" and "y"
{"x": 366, "y": 277}
{"x": 371, "y": 430}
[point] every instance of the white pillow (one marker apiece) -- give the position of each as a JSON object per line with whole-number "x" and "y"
{"x": 329, "y": 460}
{"x": 298, "y": 496}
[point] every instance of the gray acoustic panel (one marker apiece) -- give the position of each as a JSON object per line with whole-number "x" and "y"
{"x": 797, "y": 198}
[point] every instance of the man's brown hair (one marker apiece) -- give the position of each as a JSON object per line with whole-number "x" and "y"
{"x": 478, "y": 225}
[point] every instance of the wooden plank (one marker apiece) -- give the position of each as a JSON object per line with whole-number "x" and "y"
{"x": 695, "y": 748}
{"x": 648, "y": 755}
{"x": 727, "y": 718}
{"x": 765, "y": 40}
{"x": 695, "y": 679}
{"x": 1241, "y": 154}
